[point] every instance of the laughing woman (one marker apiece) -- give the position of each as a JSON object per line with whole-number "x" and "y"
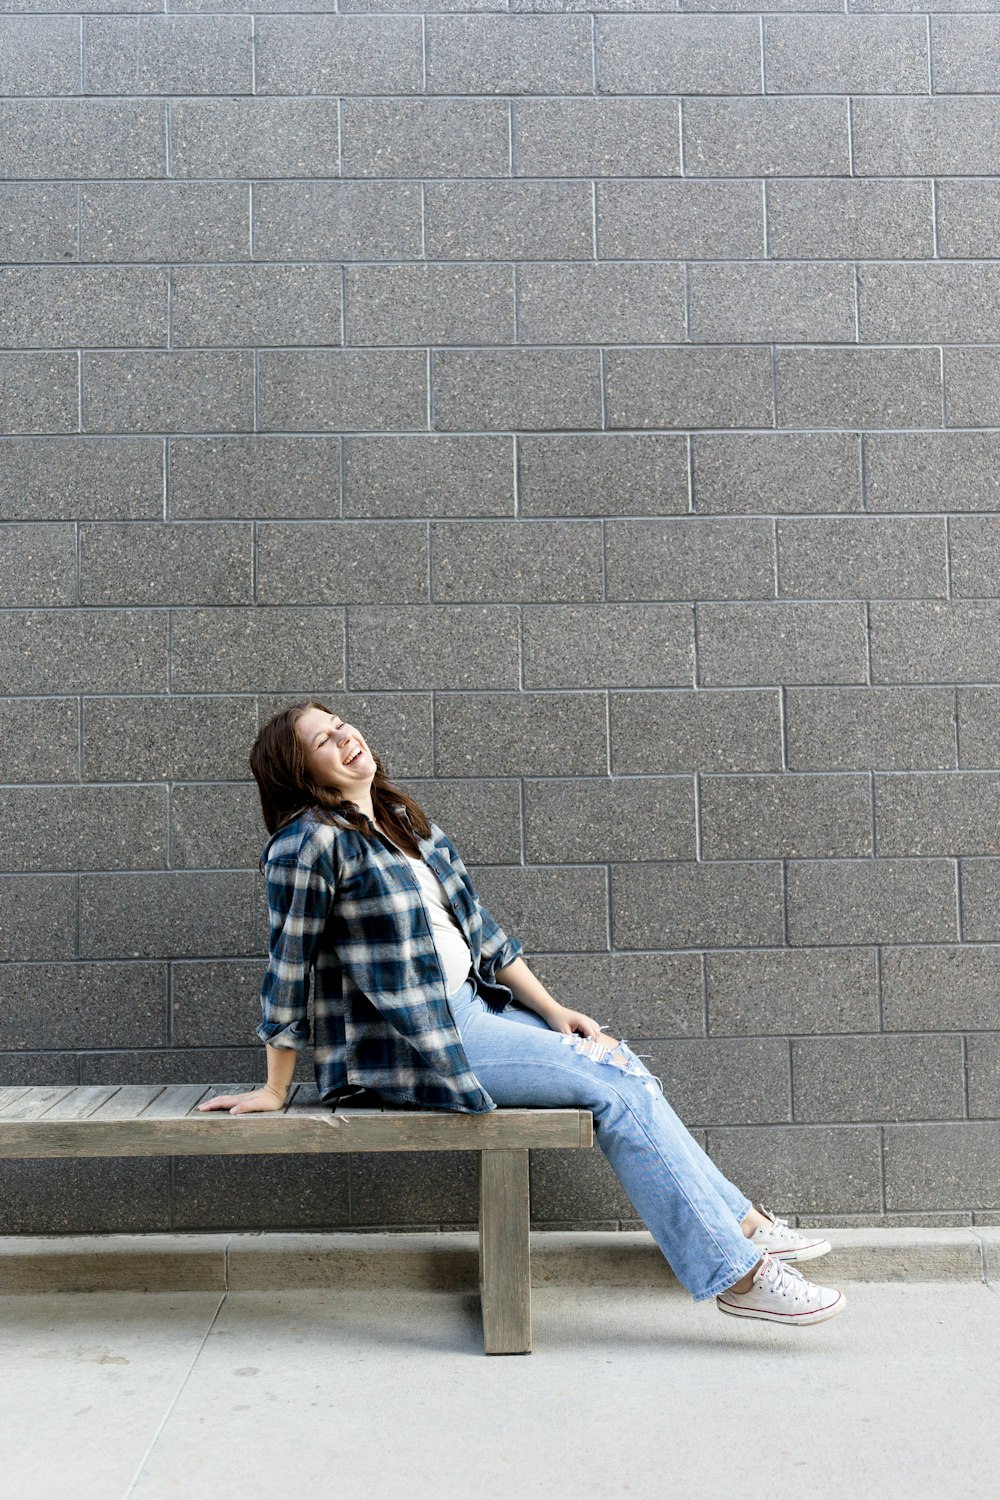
{"x": 419, "y": 996}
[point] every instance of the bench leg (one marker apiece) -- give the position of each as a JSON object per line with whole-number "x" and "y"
{"x": 504, "y": 1265}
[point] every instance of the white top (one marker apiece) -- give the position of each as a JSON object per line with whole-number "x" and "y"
{"x": 453, "y": 950}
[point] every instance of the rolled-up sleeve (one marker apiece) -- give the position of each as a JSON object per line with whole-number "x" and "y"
{"x": 299, "y": 897}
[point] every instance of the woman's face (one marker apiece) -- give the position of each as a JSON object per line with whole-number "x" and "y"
{"x": 335, "y": 752}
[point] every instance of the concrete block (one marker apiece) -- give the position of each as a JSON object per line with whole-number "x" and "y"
{"x": 509, "y": 221}
{"x": 244, "y": 1065}
{"x": 688, "y": 387}
{"x": 633, "y": 995}
{"x": 164, "y": 564}
{"x": 581, "y": 822}
{"x": 942, "y": 303}
{"x": 38, "y": 917}
{"x": 74, "y": 1006}
{"x": 500, "y": 389}
{"x": 850, "y": 218}
{"x": 521, "y": 734}
{"x": 978, "y": 727}
{"x": 846, "y": 55}
{"x": 238, "y": 306}
{"x": 742, "y": 1081}
{"x": 510, "y": 561}
{"x": 167, "y": 739}
{"x": 970, "y": 378}
{"x": 570, "y": 1186}
{"x": 39, "y": 739}
{"x": 776, "y": 473}
{"x": 949, "y": 814}
{"x": 38, "y": 222}
{"x": 984, "y": 1074}
{"x": 687, "y": 905}
{"x": 215, "y": 827}
{"x": 336, "y": 221}
{"x": 695, "y": 731}
{"x": 757, "y": 303}
{"x": 214, "y": 1001}
{"x": 169, "y": 55}
{"x": 39, "y": 55}
{"x": 608, "y": 645}
{"x": 854, "y": 558}
{"x": 344, "y": 390}
{"x": 939, "y": 137}
{"x": 167, "y": 392}
{"x": 164, "y": 221}
{"x": 601, "y": 304}
{"x": 690, "y": 559}
{"x": 246, "y": 650}
{"x": 84, "y": 651}
{"x": 387, "y": 477}
{"x": 803, "y": 1169}
{"x": 930, "y": 989}
{"x": 872, "y": 901}
{"x": 980, "y": 897}
{"x": 39, "y": 1069}
{"x": 64, "y": 306}
{"x": 864, "y": 728}
{"x": 432, "y": 646}
{"x": 870, "y": 1078}
{"x": 964, "y": 50}
{"x": 430, "y": 305}
{"x": 166, "y": 915}
{"x": 325, "y": 54}
{"x": 90, "y": 828}
{"x": 425, "y": 138}
{"x": 76, "y": 138}
{"x": 755, "y": 645}
{"x": 943, "y": 1166}
{"x": 766, "y": 137}
{"x": 509, "y": 55}
{"x": 786, "y": 817}
{"x": 946, "y": 642}
{"x": 482, "y": 818}
{"x": 975, "y": 556}
{"x": 251, "y": 477}
{"x": 398, "y": 726}
{"x": 86, "y": 1196}
{"x": 597, "y": 138}
{"x": 39, "y": 393}
{"x": 678, "y": 55}
{"x": 787, "y": 992}
{"x": 565, "y": 475}
{"x": 858, "y": 387}
{"x": 38, "y": 565}
{"x": 341, "y": 562}
{"x": 550, "y": 910}
{"x": 653, "y": 219}
{"x": 968, "y": 214}
{"x": 414, "y": 1187}
{"x": 112, "y": 1262}
{"x": 261, "y": 1192}
{"x": 92, "y": 478}
{"x": 254, "y": 138}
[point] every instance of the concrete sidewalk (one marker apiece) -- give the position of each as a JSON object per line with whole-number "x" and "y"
{"x": 365, "y": 1392}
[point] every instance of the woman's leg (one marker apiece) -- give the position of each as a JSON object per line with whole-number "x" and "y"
{"x": 654, "y": 1157}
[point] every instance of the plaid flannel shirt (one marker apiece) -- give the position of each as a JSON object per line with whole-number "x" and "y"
{"x": 349, "y": 910}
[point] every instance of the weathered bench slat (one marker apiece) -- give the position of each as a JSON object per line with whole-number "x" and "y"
{"x": 34, "y": 1102}
{"x": 128, "y": 1101}
{"x": 177, "y": 1100}
{"x": 81, "y": 1102}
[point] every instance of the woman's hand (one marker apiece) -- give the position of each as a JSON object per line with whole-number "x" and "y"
{"x": 255, "y": 1102}
{"x": 568, "y": 1021}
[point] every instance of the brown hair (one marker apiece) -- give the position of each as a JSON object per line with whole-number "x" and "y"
{"x": 278, "y": 762}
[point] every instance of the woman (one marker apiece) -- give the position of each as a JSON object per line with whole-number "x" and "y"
{"x": 420, "y": 997}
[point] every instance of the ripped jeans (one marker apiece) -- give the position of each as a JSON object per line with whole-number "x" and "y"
{"x": 692, "y": 1211}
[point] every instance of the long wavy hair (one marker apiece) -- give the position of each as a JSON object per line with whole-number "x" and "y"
{"x": 278, "y": 762}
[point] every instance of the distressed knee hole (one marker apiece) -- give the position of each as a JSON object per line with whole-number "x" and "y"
{"x": 592, "y": 1048}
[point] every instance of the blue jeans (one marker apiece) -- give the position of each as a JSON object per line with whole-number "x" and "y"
{"x": 692, "y": 1211}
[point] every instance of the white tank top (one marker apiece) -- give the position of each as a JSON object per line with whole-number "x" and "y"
{"x": 453, "y": 950}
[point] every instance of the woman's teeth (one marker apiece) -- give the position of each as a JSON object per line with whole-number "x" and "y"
{"x": 351, "y": 759}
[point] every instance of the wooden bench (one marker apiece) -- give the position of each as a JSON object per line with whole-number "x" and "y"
{"x": 163, "y": 1120}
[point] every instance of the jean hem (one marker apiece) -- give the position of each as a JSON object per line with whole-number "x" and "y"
{"x": 723, "y": 1285}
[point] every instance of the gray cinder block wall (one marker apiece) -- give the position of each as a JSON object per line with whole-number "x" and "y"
{"x": 599, "y": 406}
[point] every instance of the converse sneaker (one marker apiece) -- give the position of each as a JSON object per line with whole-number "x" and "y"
{"x": 781, "y": 1294}
{"x": 781, "y": 1242}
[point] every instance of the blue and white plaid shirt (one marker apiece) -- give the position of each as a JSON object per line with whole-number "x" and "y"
{"x": 350, "y": 909}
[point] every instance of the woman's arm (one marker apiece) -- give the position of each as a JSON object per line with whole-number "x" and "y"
{"x": 530, "y": 990}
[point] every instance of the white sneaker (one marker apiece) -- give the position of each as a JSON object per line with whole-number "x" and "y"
{"x": 781, "y": 1294}
{"x": 781, "y": 1242}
